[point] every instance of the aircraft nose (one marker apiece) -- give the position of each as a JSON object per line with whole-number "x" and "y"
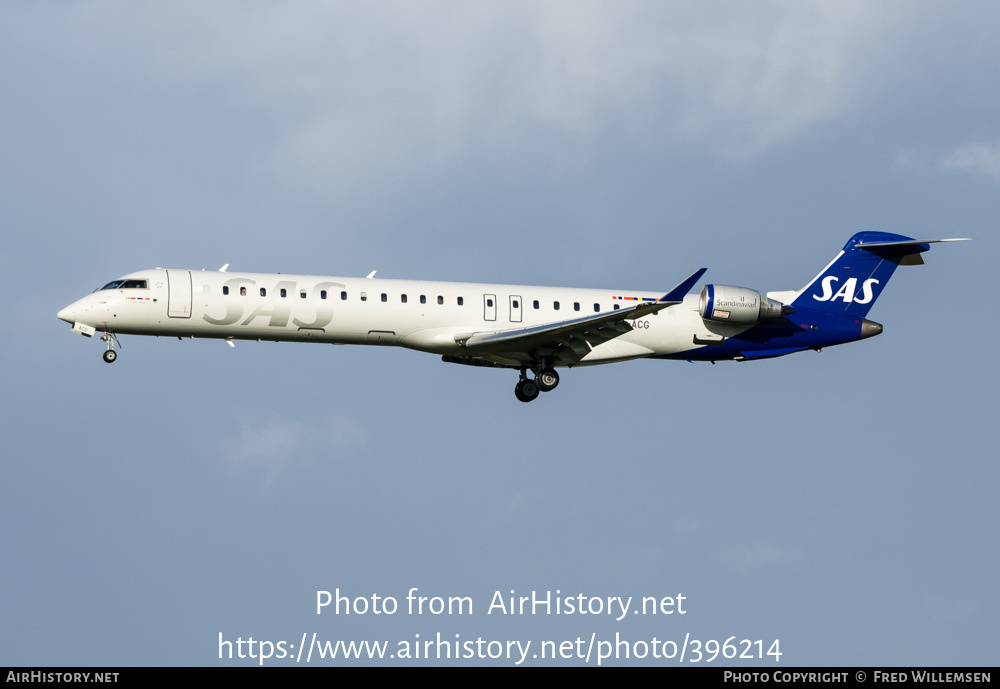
{"x": 69, "y": 314}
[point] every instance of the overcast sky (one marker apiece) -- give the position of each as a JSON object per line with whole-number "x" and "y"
{"x": 843, "y": 503}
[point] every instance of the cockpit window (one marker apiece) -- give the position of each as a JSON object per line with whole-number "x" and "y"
{"x": 126, "y": 284}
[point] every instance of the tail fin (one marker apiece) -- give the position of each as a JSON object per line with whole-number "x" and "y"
{"x": 856, "y": 277}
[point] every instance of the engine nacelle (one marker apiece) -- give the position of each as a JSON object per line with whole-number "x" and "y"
{"x": 739, "y": 305}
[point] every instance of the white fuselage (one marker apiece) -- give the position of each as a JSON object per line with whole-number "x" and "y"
{"x": 422, "y": 315}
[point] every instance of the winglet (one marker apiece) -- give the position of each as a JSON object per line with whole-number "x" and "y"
{"x": 671, "y": 298}
{"x": 677, "y": 294}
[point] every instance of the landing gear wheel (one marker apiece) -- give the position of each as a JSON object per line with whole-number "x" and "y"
{"x": 547, "y": 379}
{"x": 110, "y": 355}
{"x": 526, "y": 390}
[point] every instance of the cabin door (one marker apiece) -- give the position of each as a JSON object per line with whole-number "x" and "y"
{"x": 515, "y": 308}
{"x": 490, "y": 307}
{"x": 179, "y": 293}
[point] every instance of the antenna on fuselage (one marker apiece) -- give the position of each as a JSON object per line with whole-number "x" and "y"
{"x": 371, "y": 275}
{"x": 223, "y": 268}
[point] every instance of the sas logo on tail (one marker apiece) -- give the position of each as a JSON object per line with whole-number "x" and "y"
{"x": 847, "y": 292}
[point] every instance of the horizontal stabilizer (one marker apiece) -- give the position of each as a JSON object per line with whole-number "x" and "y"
{"x": 911, "y": 242}
{"x": 904, "y": 253}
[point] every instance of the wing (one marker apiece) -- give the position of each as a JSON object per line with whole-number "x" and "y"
{"x": 566, "y": 342}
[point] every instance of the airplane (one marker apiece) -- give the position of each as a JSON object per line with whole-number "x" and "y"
{"x": 519, "y": 327}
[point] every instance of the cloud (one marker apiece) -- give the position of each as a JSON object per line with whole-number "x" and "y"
{"x": 913, "y": 160}
{"x": 976, "y": 159}
{"x": 735, "y": 80}
{"x": 376, "y": 89}
{"x": 275, "y": 445}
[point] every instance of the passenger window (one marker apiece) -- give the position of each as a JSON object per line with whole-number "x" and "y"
{"x": 597, "y": 308}
{"x": 263, "y": 292}
{"x": 617, "y": 307}
{"x": 385, "y": 297}
{"x": 225, "y": 289}
{"x": 555, "y": 305}
{"x": 535, "y": 304}
{"x": 402, "y": 298}
{"x": 284, "y": 292}
{"x": 364, "y": 296}
{"x": 440, "y": 299}
{"x": 322, "y": 294}
{"x": 576, "y": 306}
{"x": 423, "y": 298}
{"x": 343, "y": 296}
{"x": 515, "y": 304}
{"x": 489, "y": 302}
{"x": 302, "y": 293}
{"x": 460, "y": 301}
{"x": 243, "y": 291}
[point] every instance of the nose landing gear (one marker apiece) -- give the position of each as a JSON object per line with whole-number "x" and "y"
{"x": 110, "y": 354}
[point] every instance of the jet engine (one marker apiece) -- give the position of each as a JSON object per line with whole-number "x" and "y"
{"x": 739, "y": 305}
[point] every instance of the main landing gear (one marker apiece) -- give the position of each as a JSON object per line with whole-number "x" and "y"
{"x": 110, "y": 354}
{"x": 545, "y": 380}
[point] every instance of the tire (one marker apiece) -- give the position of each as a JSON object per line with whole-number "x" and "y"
{"x": 526, "y": 390}
{"x": 547, "y": 379}
{"x": 110, "y": 356}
